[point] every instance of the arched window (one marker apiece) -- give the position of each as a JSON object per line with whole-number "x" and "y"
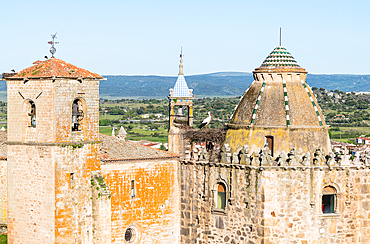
{"x": 221, "y": 196}
{"x": 77, "y": 115}
{"x": 31, "y": 114}
{"x": 329, "y": 198}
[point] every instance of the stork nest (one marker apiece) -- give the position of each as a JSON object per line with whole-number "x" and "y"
{"x": 213, "y": 135}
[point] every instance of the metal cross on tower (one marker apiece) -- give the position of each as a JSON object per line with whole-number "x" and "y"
{"x": 52, "y": 43}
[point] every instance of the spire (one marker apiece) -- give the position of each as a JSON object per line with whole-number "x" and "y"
{"x": 181, "y": 66}
{"x": 280, "y": 38}
{"x": 181, "y": 89}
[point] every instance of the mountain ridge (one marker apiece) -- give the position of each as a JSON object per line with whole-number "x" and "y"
{"x": 227, "y": 83}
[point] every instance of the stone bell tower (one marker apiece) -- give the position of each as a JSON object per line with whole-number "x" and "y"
{"x": 52, "y": 151}
{"x": 181, "y": 112}
{"x": 278, "y": 110}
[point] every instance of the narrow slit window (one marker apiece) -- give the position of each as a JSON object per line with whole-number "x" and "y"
{"x": 221, "y": 196}
{"x": 72, "y": 179}
{"x": 132, "y": 188}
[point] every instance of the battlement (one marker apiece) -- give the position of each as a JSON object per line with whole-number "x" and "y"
{"x": 263, "y": 160}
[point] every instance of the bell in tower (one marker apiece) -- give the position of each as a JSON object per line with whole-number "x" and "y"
{"x": 53, "y": 143}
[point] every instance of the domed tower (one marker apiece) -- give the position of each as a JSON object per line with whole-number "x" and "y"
{"x": 278, "y": 110}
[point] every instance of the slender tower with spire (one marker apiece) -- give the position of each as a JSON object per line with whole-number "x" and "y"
{"x": 180, "y": 99}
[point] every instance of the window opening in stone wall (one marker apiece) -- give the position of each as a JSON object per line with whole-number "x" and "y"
{"x": 221, "y": 196}
{"x": 31, "y": 113}
{"x": 130, "y": 235}
{"x": 132, "y": 188}
{"x": 328, "y": 200}
{"x": 72, "y": 179}
{"x": 270, "y": 144}
{"x": 77, "y": 115}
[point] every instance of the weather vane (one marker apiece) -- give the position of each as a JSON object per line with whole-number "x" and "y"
{"x": 181, "y": 53}
{"x": 52, "y": 43}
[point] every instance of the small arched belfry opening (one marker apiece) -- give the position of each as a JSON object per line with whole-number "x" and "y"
{"x": 329, "y": 200}
{"x": 78, "y": 115}
{"x": 221, "y": 196}
{"x": 30, "y": 114}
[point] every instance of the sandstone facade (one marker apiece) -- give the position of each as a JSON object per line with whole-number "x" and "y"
{"x": 274, "y": 200}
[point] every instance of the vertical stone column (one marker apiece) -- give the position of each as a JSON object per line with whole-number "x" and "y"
{"x": 172, "y": 115}
{"x": 190, "y": 120}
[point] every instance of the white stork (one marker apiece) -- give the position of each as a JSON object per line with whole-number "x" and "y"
{"x": 206, "y": 121}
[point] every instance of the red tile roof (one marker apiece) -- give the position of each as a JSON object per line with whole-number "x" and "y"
{"x": 113, "y": 149}
{"x": 54, "y": 67}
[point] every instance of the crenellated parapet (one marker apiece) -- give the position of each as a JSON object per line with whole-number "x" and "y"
{"x": 311, "y": 196}
{"x": 286, "y": 161}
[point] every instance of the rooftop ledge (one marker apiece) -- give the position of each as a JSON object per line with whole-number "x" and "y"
{"x": 50, "y": 78}
{"x": 291, "y": 127}
{"x": 280, "y": 69}
{"x": 51, "y": 143}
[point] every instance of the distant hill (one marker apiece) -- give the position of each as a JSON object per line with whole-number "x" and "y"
{"x": 217, "y": 84}
{"x": 213, "y": 84}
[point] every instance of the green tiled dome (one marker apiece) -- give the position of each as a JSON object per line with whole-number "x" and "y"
{"x": 280, "y": 57}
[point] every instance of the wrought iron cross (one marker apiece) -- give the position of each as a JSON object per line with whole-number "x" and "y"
{"x": 52, "y": 43}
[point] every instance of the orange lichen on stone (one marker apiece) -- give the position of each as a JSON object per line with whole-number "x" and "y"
{"x": 153, "y": 202}
{"x": 54, "y": 67}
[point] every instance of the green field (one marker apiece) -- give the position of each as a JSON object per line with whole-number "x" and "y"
{"x": 349, "y": 133}
{"x": 108, "y": 116}
{"x": 139, "y": 132}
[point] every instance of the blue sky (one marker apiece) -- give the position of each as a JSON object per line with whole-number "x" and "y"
{"x": 144, "y": 37}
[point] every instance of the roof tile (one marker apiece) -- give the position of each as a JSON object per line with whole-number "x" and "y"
{"x": 57, "y": 68}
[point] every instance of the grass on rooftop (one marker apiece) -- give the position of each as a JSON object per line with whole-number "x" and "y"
{"x": 3, "y": 239}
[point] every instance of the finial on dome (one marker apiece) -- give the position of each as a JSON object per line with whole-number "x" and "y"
{"x": 280, "y": 38}
{"x": 181, "y": 72}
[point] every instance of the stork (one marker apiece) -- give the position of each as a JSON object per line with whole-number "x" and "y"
{"x": 206, "y": 121}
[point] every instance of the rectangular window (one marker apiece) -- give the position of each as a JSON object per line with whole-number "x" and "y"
{"x": 132, "y": 188}
{"x": 328, "y": 203}
{"x": 270, "y": 144}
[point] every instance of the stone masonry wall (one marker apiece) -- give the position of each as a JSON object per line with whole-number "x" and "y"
{"x": 50, "y": 167}
{"x": 3, "y": 191}
{"x": 31, "y": 198}
{"x": 73, "y": 193}
{"x": 152, "y": 209}
{"x": 293, "y": 201}
{"x": 275, "y": 200}
{"x": 201, "y": 221}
